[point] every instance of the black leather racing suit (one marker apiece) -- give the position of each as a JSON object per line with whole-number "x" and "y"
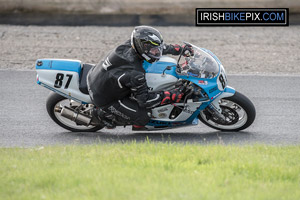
{"x": 112, "y": 81}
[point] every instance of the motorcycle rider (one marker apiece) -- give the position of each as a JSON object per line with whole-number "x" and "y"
{"x": 117, "y": 85}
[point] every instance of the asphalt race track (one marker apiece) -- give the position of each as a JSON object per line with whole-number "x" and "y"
{"x": 25, "y": 122}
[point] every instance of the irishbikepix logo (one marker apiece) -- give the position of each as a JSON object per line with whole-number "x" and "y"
{"x": 242, "y": 17}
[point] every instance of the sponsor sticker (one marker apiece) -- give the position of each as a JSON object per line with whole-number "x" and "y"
{"x": 162, "y": 110}
{"x": 213, "y": 89}
{"x": 216, "y": 96}
{"x": 202, "y": 82}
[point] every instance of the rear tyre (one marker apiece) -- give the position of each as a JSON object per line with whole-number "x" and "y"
{"x": 55, "y": 100}
{"x": 238, "y": 110}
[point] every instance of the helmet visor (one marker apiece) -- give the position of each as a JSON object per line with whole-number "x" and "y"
{"x": 156, "y": 51}
{"x": 153, "y": 51}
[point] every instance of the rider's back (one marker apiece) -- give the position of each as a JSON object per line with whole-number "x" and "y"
{"x": 103, "y": 79}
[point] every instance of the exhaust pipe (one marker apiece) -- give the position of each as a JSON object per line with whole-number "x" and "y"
{"x": 79, "y": 118}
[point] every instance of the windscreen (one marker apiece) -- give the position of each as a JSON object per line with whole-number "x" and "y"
{"x": 200, "y": 65}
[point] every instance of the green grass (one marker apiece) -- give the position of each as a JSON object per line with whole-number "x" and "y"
{"x": 150, "y": 171}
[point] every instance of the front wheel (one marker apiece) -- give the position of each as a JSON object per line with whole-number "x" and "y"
{"x": 57, "y": 102}
{"x": 238, "y": 111}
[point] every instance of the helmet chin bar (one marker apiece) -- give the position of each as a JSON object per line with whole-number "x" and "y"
{"x": 146, "y": 57}
{"x": 149, "y": 59}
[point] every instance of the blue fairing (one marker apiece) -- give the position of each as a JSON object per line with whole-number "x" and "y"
{"x": 55, "y": 64}
{"x": 189, "y": 121}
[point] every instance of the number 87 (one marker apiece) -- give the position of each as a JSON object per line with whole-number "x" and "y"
{"x": 59, "y": 80}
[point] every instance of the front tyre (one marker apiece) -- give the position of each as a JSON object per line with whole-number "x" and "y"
{"x": 238, "y": 110}
{"x": 56, "y": 101}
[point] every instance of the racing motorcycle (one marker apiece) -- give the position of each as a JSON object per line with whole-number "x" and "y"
{"x": 207, "y": 97}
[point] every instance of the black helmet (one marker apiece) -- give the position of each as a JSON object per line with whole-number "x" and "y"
{"x": 147, "y": 42}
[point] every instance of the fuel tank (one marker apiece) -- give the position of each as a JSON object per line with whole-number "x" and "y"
{"x": 157, "y": 77}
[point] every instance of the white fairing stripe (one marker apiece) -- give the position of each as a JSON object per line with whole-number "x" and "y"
{"x": 126, "y": 107}
{"x": 120, "y": 85}
{"x": 157, "y": 96}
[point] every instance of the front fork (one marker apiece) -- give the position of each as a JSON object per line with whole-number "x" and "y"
{"x": 214, "y": 107}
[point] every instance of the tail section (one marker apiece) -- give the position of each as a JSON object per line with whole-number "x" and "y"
{"x": 61, "y": 76}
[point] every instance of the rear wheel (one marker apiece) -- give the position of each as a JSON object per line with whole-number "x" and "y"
{"x": 238, "y": 111}
{"x": 56, "y": 102}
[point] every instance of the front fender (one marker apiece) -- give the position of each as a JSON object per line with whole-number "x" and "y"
{"x": 228, "y": 92}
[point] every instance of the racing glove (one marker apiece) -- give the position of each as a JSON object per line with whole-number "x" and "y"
{"x": 173, "y": 49}
{"x": 187, "y": 50}
{"x": 176, "y": 49}
{"x": 172, "y": 96}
